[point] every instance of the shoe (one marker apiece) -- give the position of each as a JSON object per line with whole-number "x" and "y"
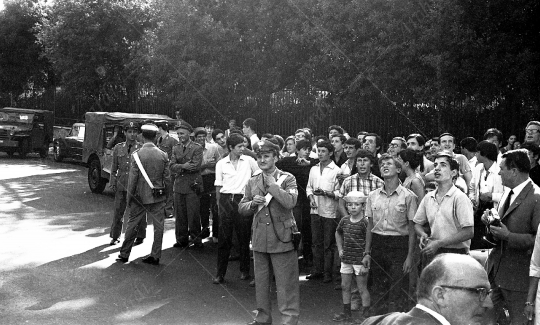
{"x": 114, "y": 241}
{"x": 314, "y": 276}
{"x": 180, "y": 245}
{"x": 245, "y": 276}
{"x": 138, "y": 241}
{"x": 150, "y": 260}
{"x": 234, "y": 258}
{"x": 122, "y": 259}
{"x": 252, "y": 283}
{"x": 218, "y": 280}
{"x": 327, "y": 278}
{"x": 258, "y": 323}
{"x": 342, "y": 318}
{"x": 198, "y": 245}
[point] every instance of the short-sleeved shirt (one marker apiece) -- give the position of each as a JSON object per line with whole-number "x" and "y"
{"x": 364, "y": 185}
{"x": 391, "y": 212}
{"x": 326, "y": 181}
{"x": 233, "y": 180}
{"x": 447, "y": 218}
{"x": 354, "y": 239}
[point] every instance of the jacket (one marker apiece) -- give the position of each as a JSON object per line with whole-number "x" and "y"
{"x": 121, "y": 164}
{"x": 274, "y": 219}
{"x": 156, "y": 165}
{"x": 192, "y": 154}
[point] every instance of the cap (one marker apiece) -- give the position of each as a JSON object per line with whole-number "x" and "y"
{"x": 130, "y": 125}
{"x": 183, "y": 125}
{"x": 161, "y": 123}
{"x": 355, "y": 196}
{"x": 149, "y": 127}
{"x": 199, "y": 130}
{"x": 265, "y": 146}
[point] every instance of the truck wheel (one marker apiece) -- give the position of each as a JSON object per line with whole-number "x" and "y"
{"x": 57, "y": 153}
{"x": 24, "y": 148}
{"x": 95, "y": 181}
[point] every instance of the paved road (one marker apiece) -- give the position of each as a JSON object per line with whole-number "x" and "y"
{"x": 56, "y": 266}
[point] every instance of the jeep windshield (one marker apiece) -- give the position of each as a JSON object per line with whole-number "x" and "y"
{"x": 16, "y": 118}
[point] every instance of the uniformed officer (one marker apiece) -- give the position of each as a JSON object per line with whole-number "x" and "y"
{"x": 271, "y": 197}
{"x": 186, "y": 164}
{"x": 119, "y": 179}
{"x": 141, "y": 198}
{"x": 166, "y": 143}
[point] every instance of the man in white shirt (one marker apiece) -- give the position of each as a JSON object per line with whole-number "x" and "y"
{"x": 486, "y": 189}
{"x": 453, "y": 289}
{"x": 322, "y": 191}
{"x": 249, "y": 127}
{"x": 232, "y": 174}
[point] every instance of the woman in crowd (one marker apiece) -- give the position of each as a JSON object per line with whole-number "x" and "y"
{"x": 289, "y": 150}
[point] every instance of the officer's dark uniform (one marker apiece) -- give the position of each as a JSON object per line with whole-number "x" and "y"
{"x": 167, "y": 143}
{"x": 118, "y": 182}
{"x": 186, "y": 201}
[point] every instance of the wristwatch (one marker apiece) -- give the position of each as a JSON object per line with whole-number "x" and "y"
{"x": 528, "y": 303}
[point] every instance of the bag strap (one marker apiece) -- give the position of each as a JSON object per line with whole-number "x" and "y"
{"x": 143, "y": 172}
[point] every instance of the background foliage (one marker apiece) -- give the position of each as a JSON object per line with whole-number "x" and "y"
{"x": 389, "y": 66}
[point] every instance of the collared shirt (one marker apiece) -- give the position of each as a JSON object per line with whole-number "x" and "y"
{"x": 233, "y": 180}
{"x": 487, "y": 181}
{"x": 210, "y": 154}
{"x": 534, "y": 268}
{"x": 364, "y": 185}
{"x": 391, "y": 212}
{"x": 346, "y": 169}
{"x": 326, "y": 181}
{"x": 473, "y": 162}
{"x": 433, "y": 313}
{"x": 253, "y": 139}
{"x": 446, "y": 219}
{"x": 516, "y": 190}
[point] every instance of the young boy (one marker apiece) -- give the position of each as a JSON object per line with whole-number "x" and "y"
{"x": 351, "y": 241}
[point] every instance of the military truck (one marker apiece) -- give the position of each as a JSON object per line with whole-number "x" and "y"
{"x": 25, "y": 131}
{"x": 99, "y": 129}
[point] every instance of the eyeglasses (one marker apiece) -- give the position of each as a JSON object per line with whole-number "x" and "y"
{"x": 482, "y": 292}
{"x": 532, "y": 131}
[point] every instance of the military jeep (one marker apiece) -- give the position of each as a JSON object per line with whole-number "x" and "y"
{"x": 99, "y": 130}
{"x": 25, "y": 131}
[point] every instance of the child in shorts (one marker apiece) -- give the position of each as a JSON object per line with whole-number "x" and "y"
{"x": 351, "y": 241}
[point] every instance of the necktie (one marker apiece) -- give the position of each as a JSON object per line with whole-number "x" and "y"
{"x": 507, "y": 203}
{"x": 129, "y": 148}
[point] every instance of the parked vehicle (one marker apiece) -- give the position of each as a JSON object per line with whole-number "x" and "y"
{"x": 99, "y": 129}
{"x": 70, "y": 146}
{"x": 25, "y": 131}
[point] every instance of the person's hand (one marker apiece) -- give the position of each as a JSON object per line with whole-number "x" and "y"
{"x": 367, "y": 261}
{"x": 407, "y": 265}
{"x": 529, "y": 312}
{"x": 269, "y": 180}
{"x": 431, "y": 247}
{"x": 424, "y": 239}
{"x": 302, "y": 162}
{"x": 258, "y": 200}
{"x": 113, "y": 187}
{"x": 485, "y": 217}
{"x": 341, "y": 177}
{"x": 340, "y": 253}
{"x": 313, "y": 204}
{"x": 501, "y": 232}
{"x": 486, "y": 197}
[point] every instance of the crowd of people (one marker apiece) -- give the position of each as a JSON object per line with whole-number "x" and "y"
{"x": 387, "y": 227}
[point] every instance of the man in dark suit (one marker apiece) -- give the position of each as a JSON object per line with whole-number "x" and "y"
{"x": 140, "y": 197}
{"x": 453, "y": 289}
{"x": 186, "y": 166}
{"x": 271, "y": 196}
{"x": 519, "y": 211}
{"x": 166, "y": 143}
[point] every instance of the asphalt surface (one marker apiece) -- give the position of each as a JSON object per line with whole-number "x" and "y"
{"x": 56, "y": 265}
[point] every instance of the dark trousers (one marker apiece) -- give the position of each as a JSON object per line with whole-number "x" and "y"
{"x": 209, "y": 204}
{"x": 390, "y": 285}
{"x": 188, "y": 220}
{"x": 303, "y": 222}
{"x": 118, "y": 218}
{"x": 230, "y": 219}
{"x": 137, "y": 212}
{"x": 513, "y": 301}
{"x": 323, "y": 237}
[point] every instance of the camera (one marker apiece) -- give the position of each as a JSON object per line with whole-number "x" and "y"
{"x": 492, "y": 218}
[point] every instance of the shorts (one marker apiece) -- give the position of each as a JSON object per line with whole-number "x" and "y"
{"x": 353, "y": 269}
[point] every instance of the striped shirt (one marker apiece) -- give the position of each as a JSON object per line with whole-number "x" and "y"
{"x": 354, "y": 239}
